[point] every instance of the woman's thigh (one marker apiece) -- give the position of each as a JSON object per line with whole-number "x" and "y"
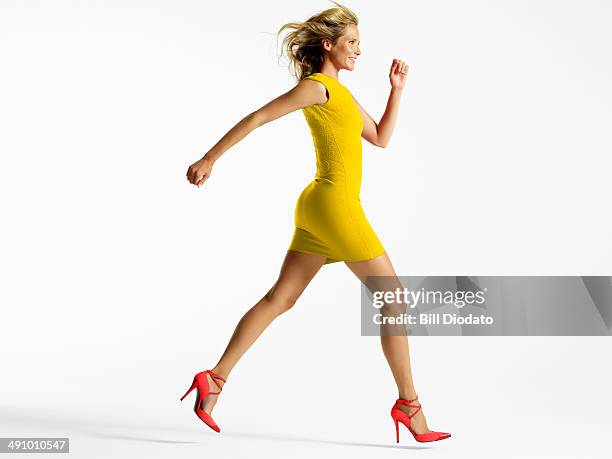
{"x": 379, "y": 266}
{"x": 379, "y": 276}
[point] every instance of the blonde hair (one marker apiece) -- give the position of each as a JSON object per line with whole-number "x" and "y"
{"x": 304, "y": 45}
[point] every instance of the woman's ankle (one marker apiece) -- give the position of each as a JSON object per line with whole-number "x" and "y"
{"x": 407, "y": 395}
{"x": 219, "y": 370}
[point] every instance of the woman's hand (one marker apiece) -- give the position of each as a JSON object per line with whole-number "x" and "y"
{"x": 398, "y": 74}
{"x": 200, "y": 171}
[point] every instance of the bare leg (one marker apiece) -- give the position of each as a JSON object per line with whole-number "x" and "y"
{"x": 297, "y": 270}
{"x": 395, "y": 348}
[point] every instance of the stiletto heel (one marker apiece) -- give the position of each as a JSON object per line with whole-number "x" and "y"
{"x": 399, "y": 416}
{"x": 396, "y": 430}
{"x": 193, "y": 386}
{"x": 200, "y": 380}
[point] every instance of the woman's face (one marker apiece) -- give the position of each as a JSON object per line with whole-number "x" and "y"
{"x": 344, "y": 53}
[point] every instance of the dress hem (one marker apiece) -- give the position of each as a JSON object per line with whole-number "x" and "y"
{"x": 329, "y": 260}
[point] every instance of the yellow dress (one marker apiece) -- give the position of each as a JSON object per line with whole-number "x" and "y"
{"x": 329, "y": 220}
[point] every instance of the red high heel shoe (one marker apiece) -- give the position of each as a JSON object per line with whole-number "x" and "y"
{"x": 399, "y": 416}
{"x": 201, "y": 382}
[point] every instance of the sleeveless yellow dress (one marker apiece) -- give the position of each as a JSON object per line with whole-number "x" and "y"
{"x": 329, "y": 220}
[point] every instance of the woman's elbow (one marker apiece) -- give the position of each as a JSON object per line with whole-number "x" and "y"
{"x": 375, "y": 140}
{"x": 256, "y": 119}
{"x": 380, "y": 140}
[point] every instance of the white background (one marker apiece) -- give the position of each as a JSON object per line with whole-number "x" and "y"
{"x": 120, "y": 280}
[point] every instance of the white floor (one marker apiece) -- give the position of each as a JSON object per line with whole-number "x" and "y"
{"x": 518, "y": 437}
{"x": 503, "y": 396}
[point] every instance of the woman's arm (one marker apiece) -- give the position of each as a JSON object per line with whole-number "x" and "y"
{"x": 379, "y": 134}
{"x": 305, "y": 93}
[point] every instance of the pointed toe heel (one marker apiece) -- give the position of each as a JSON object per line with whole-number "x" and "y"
{"x": 200, "y": 381}
{"x": 399, "y": 416}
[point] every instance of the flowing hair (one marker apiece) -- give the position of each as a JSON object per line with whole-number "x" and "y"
{"x": 304, "y": 44}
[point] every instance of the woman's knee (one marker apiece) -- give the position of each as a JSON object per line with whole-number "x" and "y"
{"x": 280, "y": 302}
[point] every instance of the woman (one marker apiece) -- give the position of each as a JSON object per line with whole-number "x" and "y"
{"x": 330, "y": 223}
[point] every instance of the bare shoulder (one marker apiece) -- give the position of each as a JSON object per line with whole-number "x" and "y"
{"x": 305, "y": 93}
{"x": 313, "y": 91}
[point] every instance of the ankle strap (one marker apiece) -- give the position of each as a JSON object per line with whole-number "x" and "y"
{"x": 216, "y": 376}
{"x": 405, "y": 402}
{"x": 402, "y": 401}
